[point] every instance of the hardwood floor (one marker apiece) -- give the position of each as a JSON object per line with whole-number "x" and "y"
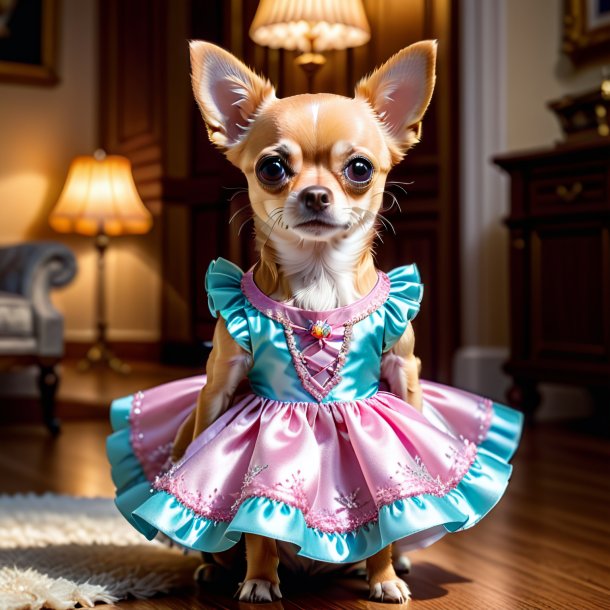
{"x": 86, "y": 395}
{"x": 545, "y": 546}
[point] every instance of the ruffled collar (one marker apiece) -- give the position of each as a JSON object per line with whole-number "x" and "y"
{"x": 339, "y": 316}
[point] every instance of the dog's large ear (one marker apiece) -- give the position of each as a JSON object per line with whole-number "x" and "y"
{"x": 228, "y": 92}
{"x": 400, "y": 91}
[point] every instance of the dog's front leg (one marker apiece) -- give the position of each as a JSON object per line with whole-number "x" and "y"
{"x": 400, "y": 368}
{"x": 384, "y": 585}
{"x": 261, "y": 583}
{"x": 227, "y": 365}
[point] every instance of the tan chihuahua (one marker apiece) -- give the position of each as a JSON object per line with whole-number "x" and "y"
{"x": 316, "y": 167}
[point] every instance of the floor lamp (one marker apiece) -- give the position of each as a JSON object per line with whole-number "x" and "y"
{"x": 310, "y": 27}
{"x": 100, "y": 199}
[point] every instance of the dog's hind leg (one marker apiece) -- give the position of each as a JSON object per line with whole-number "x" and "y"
{"x": 400, "y": 561}
{"x": 261, "y": 583}
{"x": 223, "y": 566}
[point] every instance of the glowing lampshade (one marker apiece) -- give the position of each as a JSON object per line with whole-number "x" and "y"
{"x": 100, "y": 197}
{"x": 311, "y": 26}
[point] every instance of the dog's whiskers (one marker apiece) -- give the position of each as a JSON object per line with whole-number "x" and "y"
{"x": 354, "y": 219}
{"x": 392, "y": 182}
{"x": 404, "y": 190}
{"x": 243, "y": 224}
{"x": 271, "y": 231}
{"x": 239, "y": 190}
{"x": 238, "y": 212}
{"x": 236, "y": 194}
{"x": 279, "y": 212}
{"x": 276, "y": 215}
{"x": 394, "y": 202}
{"x": 398, "y": 184}
{"x": 384, "y": 221}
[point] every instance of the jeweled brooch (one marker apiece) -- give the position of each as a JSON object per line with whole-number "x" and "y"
{"x": 320, "y": 329}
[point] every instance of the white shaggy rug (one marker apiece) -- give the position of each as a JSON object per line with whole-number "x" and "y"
{"x": 59, "y": 551}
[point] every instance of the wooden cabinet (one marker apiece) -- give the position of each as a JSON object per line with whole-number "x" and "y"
{"x": 559, "y": 269}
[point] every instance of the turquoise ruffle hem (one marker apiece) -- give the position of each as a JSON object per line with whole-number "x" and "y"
{"x": 416, "y": 521}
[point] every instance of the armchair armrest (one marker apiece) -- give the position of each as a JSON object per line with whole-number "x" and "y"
{"x": 32, "y": 270}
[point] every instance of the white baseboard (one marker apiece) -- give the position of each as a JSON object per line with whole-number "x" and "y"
{"x": 478, "y": 369}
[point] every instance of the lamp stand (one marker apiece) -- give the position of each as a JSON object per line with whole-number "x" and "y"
{"x": 99, "y": 352}
{"x": 310, "y": 63}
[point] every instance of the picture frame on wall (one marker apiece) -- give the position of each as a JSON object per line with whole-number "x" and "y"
{"x": 28, "y": 41}
{"x": 586, "y": 30}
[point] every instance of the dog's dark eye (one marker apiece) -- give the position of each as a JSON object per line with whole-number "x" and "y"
{"x": 271, "y": 171}
{"x": 359, "y": 171}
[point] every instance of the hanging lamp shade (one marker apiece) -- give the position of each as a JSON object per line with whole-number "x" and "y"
{"x": 310, "y": 25}
{"x": 100, "y": 196}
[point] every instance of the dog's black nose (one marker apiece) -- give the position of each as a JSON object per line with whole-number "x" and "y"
{"x": 316, "y": 198}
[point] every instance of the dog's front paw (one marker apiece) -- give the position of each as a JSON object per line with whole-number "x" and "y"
{"x": 257, "y": 591}
{"x": 390, "y": 592}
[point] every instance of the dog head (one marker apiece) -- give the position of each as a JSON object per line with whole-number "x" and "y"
{"x": 316, "y": 165}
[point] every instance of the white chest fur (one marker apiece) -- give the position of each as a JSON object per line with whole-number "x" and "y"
{"x": 321, "y": 275}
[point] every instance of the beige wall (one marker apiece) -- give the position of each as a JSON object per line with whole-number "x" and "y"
{"x": 537, "y": 72}
{"x": 41, "y": 130}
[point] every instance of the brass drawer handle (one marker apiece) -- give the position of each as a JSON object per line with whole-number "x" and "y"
{"x": 569, "y": 193}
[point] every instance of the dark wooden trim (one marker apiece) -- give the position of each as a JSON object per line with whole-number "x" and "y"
{"x": 185, "y": 354}
{"x": 448, "y": 299}
{"x": 562, "y": 152}
{"x": 533, "y": 220}
{"x": 26, "y": 410}
{"x": 584, "y": 373}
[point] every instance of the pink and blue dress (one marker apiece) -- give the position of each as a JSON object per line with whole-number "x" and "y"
{"x": 316, "y": 454}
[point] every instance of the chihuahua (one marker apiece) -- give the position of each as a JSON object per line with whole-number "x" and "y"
{"x": 316, "y": 166}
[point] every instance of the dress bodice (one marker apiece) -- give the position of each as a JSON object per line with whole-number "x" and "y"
{"x": 314, "y": 356}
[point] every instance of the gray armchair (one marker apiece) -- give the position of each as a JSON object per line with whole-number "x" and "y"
{"x": 31, "y": 329}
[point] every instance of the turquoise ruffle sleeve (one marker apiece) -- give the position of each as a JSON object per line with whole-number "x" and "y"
{"x": 402, "y": 305}
{"x": 223, "y": 286}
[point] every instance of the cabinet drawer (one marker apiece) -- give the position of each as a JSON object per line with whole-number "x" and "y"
{"x": 568, "y": 191}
